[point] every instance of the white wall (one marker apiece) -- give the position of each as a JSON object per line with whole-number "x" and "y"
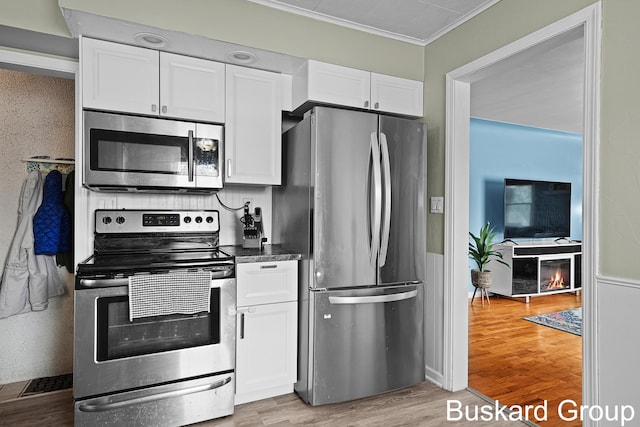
{"x": 433, "y": 309}
{"x": 617, "y": 319}
{"x": 36, "y": 118}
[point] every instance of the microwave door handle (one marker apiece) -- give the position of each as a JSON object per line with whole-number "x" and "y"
{"x": 191, "y": 159}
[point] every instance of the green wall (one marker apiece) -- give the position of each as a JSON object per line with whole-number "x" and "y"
{"x": 36, "y": 15}
{"x": 619, "y": 189}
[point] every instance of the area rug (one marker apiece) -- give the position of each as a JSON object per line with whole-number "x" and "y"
{"x": 567, "y": 320}
{"x": 48, "y": 384}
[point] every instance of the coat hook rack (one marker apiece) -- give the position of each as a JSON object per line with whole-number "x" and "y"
{"x": 46, "y": 164}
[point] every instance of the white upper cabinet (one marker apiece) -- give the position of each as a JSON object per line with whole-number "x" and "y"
{"x": 131, "y": 79}
{"x": 396, "y": 95}
{"x": 119, "y": 77}
{"x": 191, "y": 88}
{"x": 333, "y": 84}
{"x": 319, "y": 82}
{"x": 253, "y": 146}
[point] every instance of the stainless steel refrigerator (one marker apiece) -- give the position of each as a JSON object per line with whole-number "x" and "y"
{"x": 353, "y": 203}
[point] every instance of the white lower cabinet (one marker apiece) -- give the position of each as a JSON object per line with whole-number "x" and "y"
{"x": 267, "y": 328}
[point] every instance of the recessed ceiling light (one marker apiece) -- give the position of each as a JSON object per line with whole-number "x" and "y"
{"x": 241, "y": 56}
{"x": 152, "y": 40}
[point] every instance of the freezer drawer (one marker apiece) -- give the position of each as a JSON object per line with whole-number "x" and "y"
{"x": 173, "y": 404}
{"x": 367, "y": 341}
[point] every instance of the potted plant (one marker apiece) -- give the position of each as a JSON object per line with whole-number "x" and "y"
{"x": 482, "y": 252}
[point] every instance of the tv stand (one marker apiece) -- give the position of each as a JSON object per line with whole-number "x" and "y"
{"x": 538, "y": 268}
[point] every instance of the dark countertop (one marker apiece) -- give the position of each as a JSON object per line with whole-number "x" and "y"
{"x": 268, "y": 254}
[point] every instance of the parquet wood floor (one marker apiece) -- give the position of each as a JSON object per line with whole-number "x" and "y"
{"x": 518, "y": 362}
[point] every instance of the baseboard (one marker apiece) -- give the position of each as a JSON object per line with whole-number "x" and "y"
{"x": 263, "y": 394}
{"x": 433, "y": 376}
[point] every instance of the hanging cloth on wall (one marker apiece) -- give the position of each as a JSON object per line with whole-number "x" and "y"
{"x": 28, "y": 280}
{"x": 66, "y": 258}
{"x": 52, "y": 222}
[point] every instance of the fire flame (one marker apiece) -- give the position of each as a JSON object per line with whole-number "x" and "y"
{"x": 556, "y": 281}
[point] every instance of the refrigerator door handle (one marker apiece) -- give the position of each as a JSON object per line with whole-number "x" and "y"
{"x": 375, "y": 213}
{"x": 374, "y": 298}
{"x": 386, "y": 219}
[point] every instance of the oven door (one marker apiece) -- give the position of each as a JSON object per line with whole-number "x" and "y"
{"x": 128, "y": 153}
{"x": 114, "y": 354}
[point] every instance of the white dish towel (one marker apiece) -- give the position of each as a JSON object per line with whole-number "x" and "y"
{"x": 171, "y": 293}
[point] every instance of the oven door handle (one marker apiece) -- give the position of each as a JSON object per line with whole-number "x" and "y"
{"x": 124, "y": 281}
{"x": 104, "y": 283}
{"x": 113, "y": 403}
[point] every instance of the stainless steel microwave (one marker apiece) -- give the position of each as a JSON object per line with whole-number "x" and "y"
{"x": 130, "y": 153}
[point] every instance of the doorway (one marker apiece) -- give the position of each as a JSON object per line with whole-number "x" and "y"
{"x": 458, "y": 94}
{"x": 40, "y": 98}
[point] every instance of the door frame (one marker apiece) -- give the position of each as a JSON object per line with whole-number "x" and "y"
{"x": 458, "y": 92}
{"x": 34, "y": 63}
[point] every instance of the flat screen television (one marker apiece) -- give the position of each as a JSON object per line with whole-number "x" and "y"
{"x": 536, "y": 209}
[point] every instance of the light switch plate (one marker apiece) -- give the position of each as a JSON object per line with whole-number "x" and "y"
{"x": 437, "y": 205}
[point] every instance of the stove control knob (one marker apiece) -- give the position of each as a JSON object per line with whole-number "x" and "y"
{"x": 209, "y": 219}
{"x": 187, "y": 219}
{"x": 106, "y": 220}
{"x": 198, "y": 219}
{"x": 120, "y": 219}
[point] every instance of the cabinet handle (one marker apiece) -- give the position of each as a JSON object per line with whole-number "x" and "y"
{"x": 154, "y": 107}
{"x": 229, "y": 168}
{"x": 366, "y": 104}
{"x": 377, "y": 105}
{"x": 262, "y": 267}
{"x": 164, "y": 109}
{"x": 242, "y": 326}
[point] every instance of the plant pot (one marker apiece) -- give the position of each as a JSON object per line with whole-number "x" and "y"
{"x": 481, "y": 279}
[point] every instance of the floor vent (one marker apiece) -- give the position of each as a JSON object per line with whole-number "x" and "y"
{"x": 47, "y": 384}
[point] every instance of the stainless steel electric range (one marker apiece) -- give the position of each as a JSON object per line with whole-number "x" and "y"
{"x": 166, "y": 367}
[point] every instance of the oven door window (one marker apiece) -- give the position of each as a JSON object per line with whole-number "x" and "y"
{"x": 118, "y": 337}
{"x": 138, "y": 152}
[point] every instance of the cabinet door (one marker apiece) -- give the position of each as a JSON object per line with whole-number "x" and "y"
{"x": 334, "y": 84}
{"x": 266, "y": 348}
{"x": 191, "y": 88}
{"x": 396, "y": 95}
{"x": 267, "y": 282}
{"x": 119, "y": 77}
{"x": 253, "y": 126}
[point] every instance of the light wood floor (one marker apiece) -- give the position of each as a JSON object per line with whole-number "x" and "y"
{"x": 424, "y": 405}
{"x": 518, "y": 362}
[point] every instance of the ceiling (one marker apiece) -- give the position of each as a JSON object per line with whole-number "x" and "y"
{"x": 542, "y": 86}
{"x": 416, "y": 21}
